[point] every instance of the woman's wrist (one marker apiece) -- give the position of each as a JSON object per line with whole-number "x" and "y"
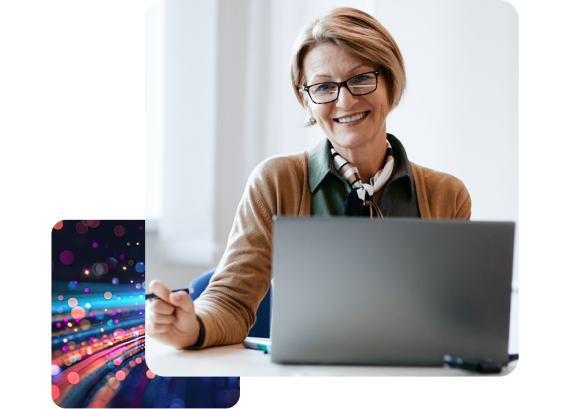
{"x": 201, "y": 337}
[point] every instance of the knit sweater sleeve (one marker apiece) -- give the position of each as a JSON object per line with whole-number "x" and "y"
{"x": 227, "y": 308}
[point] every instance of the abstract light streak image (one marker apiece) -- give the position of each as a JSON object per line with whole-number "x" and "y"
{"x": 97, "y": 325}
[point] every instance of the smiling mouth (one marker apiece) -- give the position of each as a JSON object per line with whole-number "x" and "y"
{"x": 353, "y": 118}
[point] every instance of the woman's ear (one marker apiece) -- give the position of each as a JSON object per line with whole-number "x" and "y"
{"x": 305, "y": 101}
{"x": 303, "y": 96}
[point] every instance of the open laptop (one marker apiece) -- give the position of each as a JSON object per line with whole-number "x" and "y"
{"x": 391, "y": 291}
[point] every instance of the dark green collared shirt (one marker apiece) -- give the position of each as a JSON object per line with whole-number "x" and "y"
{"x": 329, "y": 190}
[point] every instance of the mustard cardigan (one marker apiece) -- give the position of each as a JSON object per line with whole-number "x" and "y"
{"x": 279, "y": 186}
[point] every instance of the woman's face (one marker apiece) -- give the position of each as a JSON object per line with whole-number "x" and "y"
{"x": 328, "y": 62}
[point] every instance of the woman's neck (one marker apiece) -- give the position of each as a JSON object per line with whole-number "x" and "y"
{"x": 368, "y": 159}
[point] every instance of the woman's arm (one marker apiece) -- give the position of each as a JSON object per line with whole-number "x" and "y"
{"x": 227, "y": 308}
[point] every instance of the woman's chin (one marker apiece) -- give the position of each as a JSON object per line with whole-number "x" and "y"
{"x": 353, "y": 139}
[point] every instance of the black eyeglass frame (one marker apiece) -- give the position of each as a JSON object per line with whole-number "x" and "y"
{"x": 343, "y": 83}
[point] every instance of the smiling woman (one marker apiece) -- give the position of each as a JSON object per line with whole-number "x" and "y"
{"x": 359, "y": 36}
{"x": 354, "y": 123}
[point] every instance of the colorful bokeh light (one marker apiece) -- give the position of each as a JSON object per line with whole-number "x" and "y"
{"x": 73, "y": 378}
{"x": 81, "y": 228}
{"x": 93, "y": 223}
{"x": 111, "y": 262}
{"x": 78, "y": 313}
{"x": 67, "y": 257}
{"x": 99, "y": 269}
{"x": 119, "y": 230}
{"x": 55, "y": 393}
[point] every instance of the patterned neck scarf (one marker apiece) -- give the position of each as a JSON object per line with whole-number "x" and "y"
{"x": 361, "y": 197}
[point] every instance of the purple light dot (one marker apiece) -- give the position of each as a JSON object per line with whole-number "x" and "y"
{"x": 67, "y": 257}
{"x": 94, "y": 245}
{"x": 140, "y": 228}
{"x": 116, "y": 321}
{"x": 75, "y": 282}
{"x": 58, "y": 324}
{"x": 76, "y": 319}
{"x": 111, "y": 262}
{"x": 63, "y": 348}
{"x": 91, "y": 314}
{"x": 86, "y": 290}
{"x": 119, "y": 230}
{"x": 122, "y": 256}
{"x": 65, "y": 319}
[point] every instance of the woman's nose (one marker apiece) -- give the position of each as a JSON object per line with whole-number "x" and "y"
{"x": 346, "y": 100}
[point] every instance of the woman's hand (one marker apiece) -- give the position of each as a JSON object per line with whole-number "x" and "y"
{"x": 171, "y": 319}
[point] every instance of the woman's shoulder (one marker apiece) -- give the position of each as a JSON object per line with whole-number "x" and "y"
{"x": 282, "y": 167}
{"x": 433, "y": 179}
{"x": 280, "y": 183}
{"x": 440, "y": 195}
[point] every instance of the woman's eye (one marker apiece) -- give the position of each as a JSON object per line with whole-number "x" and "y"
{"x": 362, "y": 78}
{"x": 323, "y": 88}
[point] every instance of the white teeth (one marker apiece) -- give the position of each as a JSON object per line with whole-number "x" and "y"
{"x": 352, "y": 118}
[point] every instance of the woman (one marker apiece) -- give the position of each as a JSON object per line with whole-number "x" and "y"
{"x": 348, "y": 74}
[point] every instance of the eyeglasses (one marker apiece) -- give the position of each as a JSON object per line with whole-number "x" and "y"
{"x": 325, "y": 92}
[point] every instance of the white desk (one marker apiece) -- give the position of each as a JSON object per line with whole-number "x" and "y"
{"x": 235, "y": 360}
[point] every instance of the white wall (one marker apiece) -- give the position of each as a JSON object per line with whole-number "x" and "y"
{"x": 154, "y": 89}
{"x": 459, "y": 114}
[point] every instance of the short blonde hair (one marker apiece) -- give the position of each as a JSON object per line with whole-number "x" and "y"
{"x": 358, "y": 34}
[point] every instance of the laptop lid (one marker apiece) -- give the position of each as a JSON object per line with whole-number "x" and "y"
{"x": 390, "y": 291}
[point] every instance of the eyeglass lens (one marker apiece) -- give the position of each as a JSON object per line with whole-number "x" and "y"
{"x": 358, "y": 85}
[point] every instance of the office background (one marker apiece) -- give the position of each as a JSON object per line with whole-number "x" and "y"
{"x": 219, "y": 101}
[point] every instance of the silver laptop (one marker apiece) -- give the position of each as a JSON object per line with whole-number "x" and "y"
{"x": 391, "y": 292}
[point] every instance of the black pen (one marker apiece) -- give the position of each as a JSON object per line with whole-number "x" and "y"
{"x": 154, "y": 296}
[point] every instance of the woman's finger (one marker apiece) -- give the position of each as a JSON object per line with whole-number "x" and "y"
{"x": 160, "y": 290}
{"x": 183, "y": 301}
{"x": 161, "y": 307}
{"x": 156, "y": 329}
{"x": 159, "y": 318}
